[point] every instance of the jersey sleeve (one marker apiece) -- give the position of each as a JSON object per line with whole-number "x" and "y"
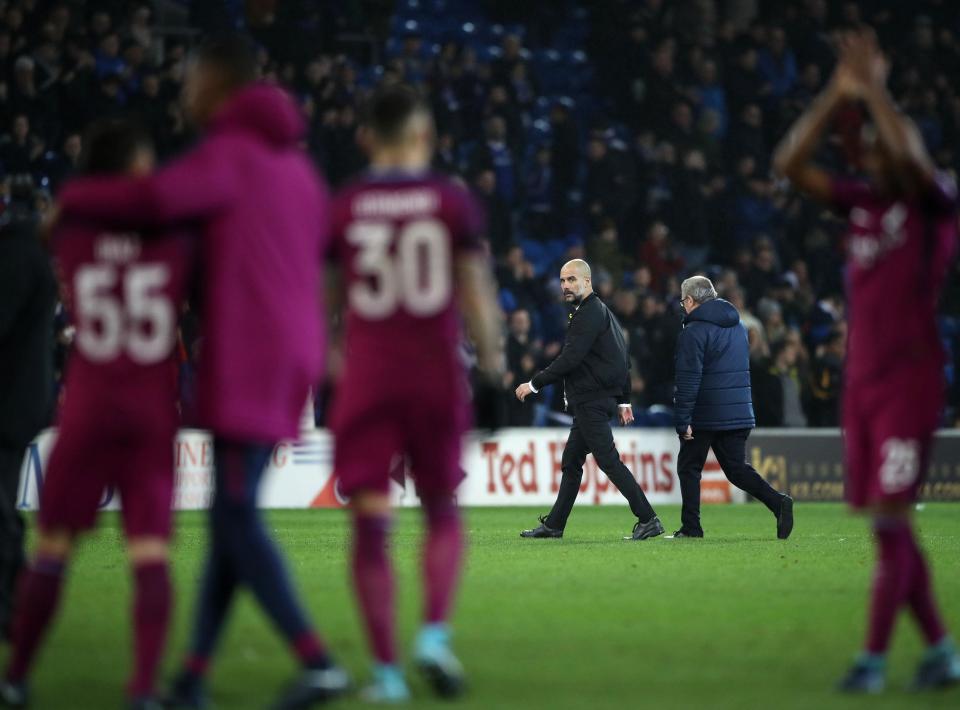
{"x": 468, "y": 221}
{"x": 941, "y": 194}
{"x": 846, "y": 193}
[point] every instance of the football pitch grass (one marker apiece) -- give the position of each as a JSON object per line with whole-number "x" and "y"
{"x": 736, "y": 620}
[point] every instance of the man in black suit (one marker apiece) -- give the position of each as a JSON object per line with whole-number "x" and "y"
{"x": 595, "y": 371}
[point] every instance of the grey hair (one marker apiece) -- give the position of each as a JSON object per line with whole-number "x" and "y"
{"x": 699, "y": 288}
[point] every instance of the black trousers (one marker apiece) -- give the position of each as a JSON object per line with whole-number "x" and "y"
{"x": 11, "y": 531}
{"x": 730, "y": 448}
{"x": 591, "y": 434}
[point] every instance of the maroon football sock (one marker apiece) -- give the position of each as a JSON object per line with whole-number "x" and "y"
{"x": 151, "y": 618}
{"x": 37, "y": 599}
{"x": 921, "y": 599}
{"x": 892, "y": 581}
{"x": 442, "y": 557}
{"x": 373, "y": 582}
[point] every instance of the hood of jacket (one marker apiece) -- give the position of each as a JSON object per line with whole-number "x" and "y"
{"x": 265, "y": 111}
{"x": 718, "y": 312}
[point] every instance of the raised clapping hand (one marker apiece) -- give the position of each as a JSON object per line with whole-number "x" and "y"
{"x": 861, "y": 65}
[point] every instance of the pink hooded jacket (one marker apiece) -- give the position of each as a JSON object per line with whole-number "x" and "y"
{"x": 262, "y": 209}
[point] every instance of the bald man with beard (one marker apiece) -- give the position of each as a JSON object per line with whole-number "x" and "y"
{"x": 594, "y": 369}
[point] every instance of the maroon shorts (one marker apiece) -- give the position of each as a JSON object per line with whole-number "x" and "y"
{"x": 373, "y": 434}
{"x": 86, "y": 466}
{"x": 888, "y": 430}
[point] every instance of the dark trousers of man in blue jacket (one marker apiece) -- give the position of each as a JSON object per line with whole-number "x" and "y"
{"x": 730, "y": 449}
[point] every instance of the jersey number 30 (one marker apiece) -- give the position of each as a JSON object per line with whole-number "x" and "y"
{"x": 142, "y": 324}
{"x": 416, "y": 277}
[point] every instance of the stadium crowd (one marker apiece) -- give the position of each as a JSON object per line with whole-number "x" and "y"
{"x": 636, "y": 135}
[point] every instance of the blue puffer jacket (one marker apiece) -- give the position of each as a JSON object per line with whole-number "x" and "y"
{"x": 713, "y": 371}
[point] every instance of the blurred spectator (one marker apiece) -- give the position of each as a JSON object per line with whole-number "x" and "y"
{"x": 681, "y": 131}
{"x": 610, "y": 185}
{"x": 539, "y": 191}
{"x": 777, "y": 64}
{"x": 658, "y": 331}
{"x": 710, "y": 96}
{"x": 776, "y": 388}
{"x": 743, "y": 82}
{"x": 751, "y": 202}
{"x": 604, "y": 252}
{"x": 692, "y": 204}
{"x": 784, "y": 355}
{"x": 445, "y": 157}
{"x": 826, "y": 381}
{"x": 63, "y": 164}
{"x": 659, "y": 87}
{"x": 140, "y": 29}
{"x": 746, "y": 138}
{"x": 750, "y": 321}
{"x": 659, "y": 255}
{"x": 499, "y": 227}
{"x": 511, "y": 57}
{"x": 522, "y": 364}
{"x": 496, "y": 156}
{"x": 770, "y": 314}
{"x": 564, "y": 155}
{"x": 20, "y": 153}
{"x": 109, "y": 61}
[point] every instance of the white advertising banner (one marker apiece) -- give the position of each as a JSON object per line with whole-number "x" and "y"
{"x": 511, "y": 467}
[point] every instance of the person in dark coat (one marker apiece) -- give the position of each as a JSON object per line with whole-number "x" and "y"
{"x": 713, "y": 405}
{"x": 594, "y": 369}
{"x": 28, "y": 295}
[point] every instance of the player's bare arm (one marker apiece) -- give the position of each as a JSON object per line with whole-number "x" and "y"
{"x": 332, "y": 297}
{"x": 793, "y": 158}
{"x": 896, "y": 133}
{"x": 483, "y": 319}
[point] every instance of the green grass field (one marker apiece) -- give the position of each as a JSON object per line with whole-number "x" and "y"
{"x": 736, "y": 620}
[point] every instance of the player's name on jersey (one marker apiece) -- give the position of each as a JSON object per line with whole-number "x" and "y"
{"x": 118, "y": 248}
{"x": 396, "y": 203}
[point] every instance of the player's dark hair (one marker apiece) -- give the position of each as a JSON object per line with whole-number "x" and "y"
{"x": 110, "y": 144}
{"x": 232, "y": 55}
{"x": 388, "y": 110}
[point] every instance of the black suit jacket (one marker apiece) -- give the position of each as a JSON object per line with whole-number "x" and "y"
{"x": 594, "y": 362}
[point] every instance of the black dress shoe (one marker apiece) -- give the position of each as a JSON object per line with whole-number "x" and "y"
{"x": 643, "y": 531}
{"x": 785, "y": 518}
{"x": 542, "y": 530}
{"x": 688, "y": 533}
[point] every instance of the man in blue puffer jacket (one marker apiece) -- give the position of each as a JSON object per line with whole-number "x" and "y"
{"x": 713, "y": 405}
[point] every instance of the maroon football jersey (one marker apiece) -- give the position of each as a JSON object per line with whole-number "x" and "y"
{"x": 123, "y": 293}
{"x": 397, "y": 237}
{"x": 898, "y": 254}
